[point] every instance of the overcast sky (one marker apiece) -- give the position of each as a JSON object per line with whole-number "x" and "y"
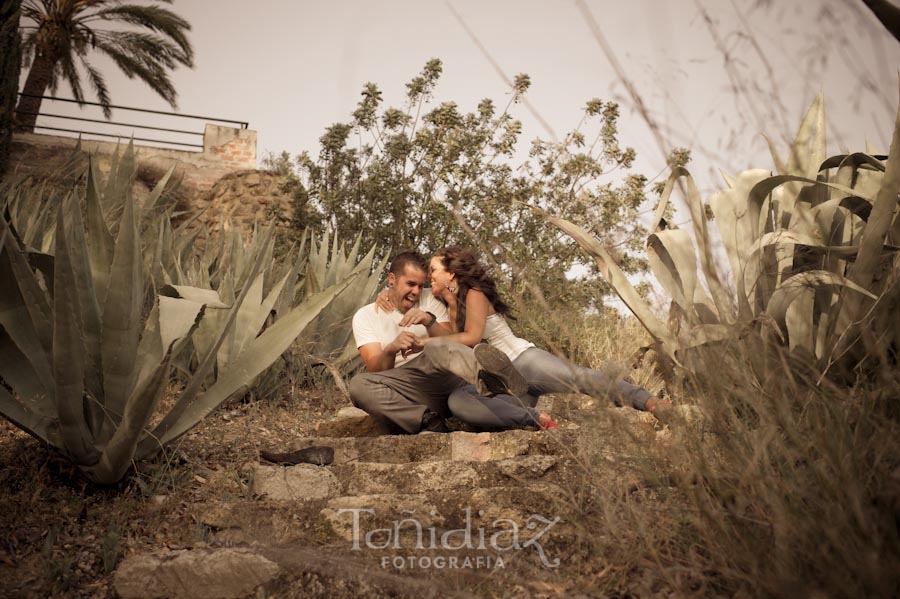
{"x": 292, "y": 67}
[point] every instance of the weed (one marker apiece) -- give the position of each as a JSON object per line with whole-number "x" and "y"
{"x": 110, "y": 547}
{"x": 57, "y": 564}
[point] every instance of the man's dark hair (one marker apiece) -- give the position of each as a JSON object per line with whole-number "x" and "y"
{"x": 398, "y": 264}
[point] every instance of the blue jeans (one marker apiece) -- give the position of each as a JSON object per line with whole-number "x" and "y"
{"x": 544, "y": 373}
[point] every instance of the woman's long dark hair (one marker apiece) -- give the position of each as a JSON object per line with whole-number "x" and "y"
{"x": 470, "y": 274}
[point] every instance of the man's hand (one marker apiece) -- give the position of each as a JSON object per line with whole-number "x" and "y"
{"x": 415, "y": 316}
{"x": 405, "y": 344}
{"x": 383, "y": 302}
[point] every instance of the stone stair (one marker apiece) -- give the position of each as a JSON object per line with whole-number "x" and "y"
{"x": 392, "y": 507}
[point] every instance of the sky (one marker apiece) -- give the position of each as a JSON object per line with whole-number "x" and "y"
{"x": 714, "y": 75}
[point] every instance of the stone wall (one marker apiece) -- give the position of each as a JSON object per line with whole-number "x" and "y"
{"x": 225, "y": 150}
{"x": 221, "y": 181}
{"x": 244, "y": 198}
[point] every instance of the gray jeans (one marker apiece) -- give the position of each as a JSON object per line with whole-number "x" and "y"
{"x": 402, "y": 394}
{"x": 544, "y": 373}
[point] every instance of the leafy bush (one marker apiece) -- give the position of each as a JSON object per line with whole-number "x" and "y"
{"x": 429, "y": 174}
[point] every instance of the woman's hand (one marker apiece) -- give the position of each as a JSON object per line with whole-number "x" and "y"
{"x": 444, "y": 293}
{"x": 383, "y": 302}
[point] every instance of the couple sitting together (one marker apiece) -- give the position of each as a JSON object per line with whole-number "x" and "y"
{"x": 448, "y": 351}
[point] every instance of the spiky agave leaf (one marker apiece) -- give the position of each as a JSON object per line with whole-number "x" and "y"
{"x": 259, "y": 355}
{"x": 616, "y": 278}
{"x": 86, "y": 371}
{"x": 327, "y": 340}
{"x": 804, "y": 247}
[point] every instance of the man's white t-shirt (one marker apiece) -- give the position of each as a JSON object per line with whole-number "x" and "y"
{"x": 371, "y": 326}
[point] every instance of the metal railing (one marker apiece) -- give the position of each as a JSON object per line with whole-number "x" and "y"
{"x": 118, "y": 135}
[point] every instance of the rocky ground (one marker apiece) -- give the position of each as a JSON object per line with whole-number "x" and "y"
{"x": 466, "y": 513}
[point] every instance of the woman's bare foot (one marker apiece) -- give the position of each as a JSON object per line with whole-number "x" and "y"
{"x": 545, "y": 422}
{"x": 661, "y": 409}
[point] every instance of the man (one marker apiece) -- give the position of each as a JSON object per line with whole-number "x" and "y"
{"x": 404, "y": 382}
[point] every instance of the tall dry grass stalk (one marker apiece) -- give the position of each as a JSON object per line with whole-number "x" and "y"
{"x": 788, "y": 486}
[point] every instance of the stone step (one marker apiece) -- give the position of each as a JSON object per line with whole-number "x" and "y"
{"x": 441, "y": 511}
{"x": 373, "y": 477}
{"x": 290, "y": 572}
{"x": 262, "y": 520}
{"x": 456, "y": 446}
{"x": 283, "y": 521}
{"x": 305, "y": 482}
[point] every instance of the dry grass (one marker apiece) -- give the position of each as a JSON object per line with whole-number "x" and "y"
{"x": 787, "y": 486}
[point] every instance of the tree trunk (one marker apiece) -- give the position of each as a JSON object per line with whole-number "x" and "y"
{"x": 888, "y": 14}
{"x": 10, "y": 61}
{"x": 35, "y": 86}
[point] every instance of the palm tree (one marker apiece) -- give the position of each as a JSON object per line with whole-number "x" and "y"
{"x": 63, "y": 32}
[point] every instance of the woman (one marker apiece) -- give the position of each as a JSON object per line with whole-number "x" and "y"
{"x": 477, "y": 312}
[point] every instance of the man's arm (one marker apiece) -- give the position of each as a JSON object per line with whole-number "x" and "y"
{"x": 427, "y": 319}
{"x": 378, "y": 358}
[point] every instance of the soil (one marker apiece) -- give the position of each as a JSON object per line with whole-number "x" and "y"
{"x": 61, "y": 535}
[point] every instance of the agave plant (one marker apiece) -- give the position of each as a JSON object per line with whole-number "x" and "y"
{"x": 83, "y": 370}
{"x": 31, "y": 206}
{"x": 329, "y": 341}
{"x": 225, "y": 266}
{"x": 811, "y": 250}
{"x": 273, "y": 292}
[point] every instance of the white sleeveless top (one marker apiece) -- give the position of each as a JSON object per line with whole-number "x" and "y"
{"x": 498, "y": 334}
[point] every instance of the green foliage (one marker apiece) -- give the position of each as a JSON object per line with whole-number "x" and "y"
{"x": 84, "y": 366}
{"x": 430, "y": 174}
{"x": 10, "y": 62}
{"x": 812, "y": 254}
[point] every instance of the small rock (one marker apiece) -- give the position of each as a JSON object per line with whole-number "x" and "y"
{"x": 350, "y": 412}
{"x": 526, "y": 467}
{"x": 509, "y": 444}
{"x": 197, "y": 574}
{"x": 353, "y": 422}
{"x": 297, "y": 483}
{"x": 471, "y": 447}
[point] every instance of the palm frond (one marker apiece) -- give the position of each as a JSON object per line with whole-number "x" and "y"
{"x": 157, "y": 19}
{"x": 99, "y": 86}
{"x": 153, "y": 74}
{"x": 70, "y": 73}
